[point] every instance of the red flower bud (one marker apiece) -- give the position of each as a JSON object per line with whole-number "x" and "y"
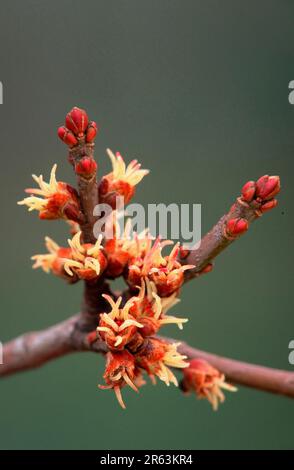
{"x": 91, "y": 131}
{"x": 86, "y": 167}
{"x": 267, "y": 206}
{"x": 248, "y": 191}
{"x": 67, "y": 136}
{"x": 207, "y": 269}
{"x": 236, "y": 227}
{"x": 267, "y": 187}
{"x": 77, "y": 121}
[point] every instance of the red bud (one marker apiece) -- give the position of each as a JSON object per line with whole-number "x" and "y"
{"x": 248, "y": 191}
{"x": 66, "y": 136}
{"x": 86, "y": 167}
{"x": 267, "y": 206}
{"x": 91, "y": 131}
{"x": 267, "y": 187}
{"x": 77, "y": 121}
{"x": 208, "y": 268}
{"x": 236, "y": 227}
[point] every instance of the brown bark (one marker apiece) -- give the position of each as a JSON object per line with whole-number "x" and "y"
{"x": 35, "y": 349}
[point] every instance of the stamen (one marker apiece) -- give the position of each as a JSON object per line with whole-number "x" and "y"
{"x": 119, "y": 396}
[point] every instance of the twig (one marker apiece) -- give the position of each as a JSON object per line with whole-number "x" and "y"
{"x": 240, "y": 216}
{"x": 35, "y": 349}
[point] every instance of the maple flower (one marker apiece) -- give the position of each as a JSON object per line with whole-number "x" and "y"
{"x": 121, "y": 181}
{"x": 122, "y": 247}
{"x": 156, "y": 358}
{"x": 165, "y": 271}
{"x": 87, "y": 261}
{"x": 118, "y": 327}
{"x": 54, "y": 260}
{"x": 53, "y": 200}
{"x": 206, "y": 381}
{"x": 120, "y": 370}
{"x": 150, "y": 310}
{"x": 78, "y": 261}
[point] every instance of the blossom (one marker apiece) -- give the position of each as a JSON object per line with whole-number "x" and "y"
{"x": 123, "y": 246}
{"x": 53, "y": 200}
{"x": 121, "y": 181}
{"x": 78, "y": 261}
{"x": 206, "y": 381}
{"x": 156, "y": 358}
{"x": 150, "y": 310}
{"x": 118, "y": 327}
{"x": 120, "y": 370}
{"x": 165, "y": 271}
{"x": 54, "y": 260}
{"x": 87, "y": 261}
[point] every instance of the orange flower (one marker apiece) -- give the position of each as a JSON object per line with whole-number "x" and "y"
{"x": 123, "y": 247}
{"x": 79, "y": 261}
{"x": 166, "y": 272}
{"x": 120, "y": 371}
{"x": 121, "y": 181}
{"x": 118, "y": 327}
{"x": 206, "y": 381}
{"x": 150, "y": 310}
{"x": 53, "y": 200}
{"x": 156, "y": 358}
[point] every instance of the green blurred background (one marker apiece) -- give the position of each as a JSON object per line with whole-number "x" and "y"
{"x": 198, "y": 91}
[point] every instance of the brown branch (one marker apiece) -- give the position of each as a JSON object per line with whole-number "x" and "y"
{"x": 250, "y": 375}
{"x": 35, "y": 349}
{"x": 88, "y": 190}
{"x": 232, "y": 225}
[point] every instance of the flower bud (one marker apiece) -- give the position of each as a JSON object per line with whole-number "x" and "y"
{"x": 91, "y": 131}
{"x": 77, "y": 121}
{"x": 248, "y": 191}
{"x": 267, "y": 206}
{"x": 86, "y": 167}
{"x": 236, "y": 227}
{"x": 267, "y": 187}
{"x": 67, "y": 136}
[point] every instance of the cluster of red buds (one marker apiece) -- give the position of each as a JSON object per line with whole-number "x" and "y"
{"x": 260, "y": 196}
{"x": 79, "y": 133}
{"x": 130, "y": 325}
{"x": 77, "y": 128}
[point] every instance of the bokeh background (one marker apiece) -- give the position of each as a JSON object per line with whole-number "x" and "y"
{"x": 198, "y": 91}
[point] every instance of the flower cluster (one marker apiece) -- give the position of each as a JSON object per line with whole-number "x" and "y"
{"x": 128, "y": 333}
{"x": 128, "y": 327}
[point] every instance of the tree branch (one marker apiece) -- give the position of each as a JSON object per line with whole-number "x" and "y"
{"x": 232, "y": 225}
{"x": 250, "y": 375}
{"x": 35, "y": 349}
{"x": 87, "y": 184}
